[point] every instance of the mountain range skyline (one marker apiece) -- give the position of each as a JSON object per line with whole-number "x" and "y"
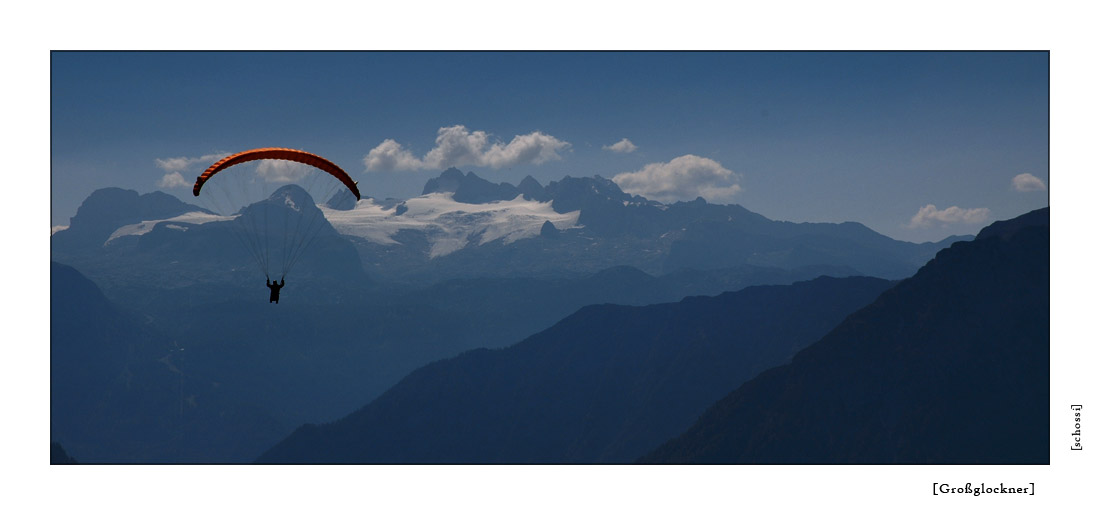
{"x": 915, "y": 145}
{"x": 463, "y": 226}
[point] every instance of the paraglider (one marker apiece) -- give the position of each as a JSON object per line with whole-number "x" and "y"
{"x": 289, "y": 215}
{"x": 275, "y": 287}
{"x": 287, "y": 154}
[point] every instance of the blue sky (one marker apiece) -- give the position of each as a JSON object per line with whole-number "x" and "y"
{"x": 877, "y": 137}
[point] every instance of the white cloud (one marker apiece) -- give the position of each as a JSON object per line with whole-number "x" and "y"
{"x": 179, "y": 164}
{"x": 390, "y": 155}
{"x": 173, "y": 180}
{"x": 1028, "y": 182}
{"x": 175, "y": 165}
{"x": 534, "y": 148}
{"x": 929, "y": 215}
{"x": 624, "y": 146}
{"x": 271, "y": 170}
{"x": 457, "y": 146}
{"x": 57, "y": 228}
{"x": 683, "y": 178}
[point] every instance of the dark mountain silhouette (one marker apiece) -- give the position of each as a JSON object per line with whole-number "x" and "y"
{"x": 950, "y": 366}
{"x": 602, "y": 385}
{"x": 532, "y": 190}
{"x": 548, "y": 230}
{"x": 1006, "y": 229}
{"x": 108, "y": 209}
{"x": 58, "y": 456}
{"x": 343, "y": 200}
{"x": 122, "y": 392}
{"x": 590, "y": 194}
{"x": 90, "y": 341}
{"x": 469, "y": 188}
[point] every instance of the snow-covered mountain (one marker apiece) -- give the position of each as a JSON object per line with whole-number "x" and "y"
{"x": 179, "y": 223}
{"x": 463, "y": 226}
{"x": 109, "y": 209}
{"x": 122, "y": 238}
{"x": 447, "y": 224}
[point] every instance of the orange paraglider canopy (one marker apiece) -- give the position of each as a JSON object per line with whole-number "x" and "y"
{"x": 286, "y": 154}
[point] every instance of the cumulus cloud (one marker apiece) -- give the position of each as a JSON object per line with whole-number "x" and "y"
{"x": 173, "y": 180}
{"x": 175, "y": 165}
{"x": 457, "y": 146}
{"x": 929, "y": 215}
{"x": 624, "y": 146}
{"x": 683, "y": 178}
{"x": 535, "y": 148}
{"x": 179, "y": 164}
{"x": 271, "y": 170}
{"x": 390, "y": 155}
{"x": 1028, "y": 182}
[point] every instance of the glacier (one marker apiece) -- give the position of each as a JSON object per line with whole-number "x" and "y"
{"x": 448, "y": 224}
{"x": 194, "y": 217}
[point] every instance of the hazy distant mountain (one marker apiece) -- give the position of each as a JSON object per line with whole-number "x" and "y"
{"x": 327, "y": 351}
{"x": 108, "y": 209}
{"x": 469, "y": 188}
{"x": 90, "y": 341}
{"x": 532, "y": 190}
{"x": 162, "y": 242}
{"x": 506, "y": 310}
{"x": 122, "y": 392}
{"x": 602, "y": 385}
{"x": 949, "y": 366}
{"x": 465, "y": 226}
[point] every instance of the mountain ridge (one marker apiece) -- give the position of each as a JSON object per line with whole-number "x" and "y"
{"x": 594, "y": 226}
{"x": 950, "y": 366}
{"x": 597, "y": 387}
{"x": 614, "y": 228}
{"x": 121, "y": 391}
